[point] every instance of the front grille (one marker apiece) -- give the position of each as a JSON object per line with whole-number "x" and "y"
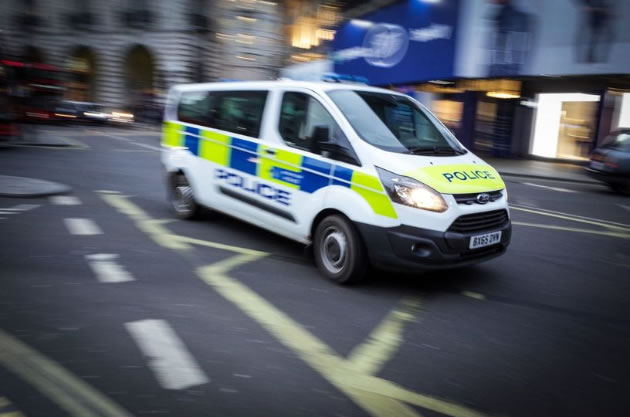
{"x": 479, "y": 221}
{"x": 472, "y": 198}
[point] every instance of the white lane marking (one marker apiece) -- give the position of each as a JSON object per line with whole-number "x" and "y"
{"x": 142, "y": 145}
{"x": 106, "y": 269}
{"x": 5, "y": 212}
{"x": 78, "y": 226}
{"x": 562, "y": 190}
{"x": 21, "y": 207}
{"x": 568, "y": 216}
{"x": 169, "y": 359}
{"x": 473, "y": 294}
{"x": 624, "y": 207}
{"x": 65, "y": 200}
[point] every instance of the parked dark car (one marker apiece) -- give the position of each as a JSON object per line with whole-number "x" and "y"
{"x": 610, "y": 162}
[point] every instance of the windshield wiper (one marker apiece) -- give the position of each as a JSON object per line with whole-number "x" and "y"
{"x": 436, "y": 150}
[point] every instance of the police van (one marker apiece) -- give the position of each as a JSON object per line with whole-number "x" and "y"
{"x": 365, "y": 175}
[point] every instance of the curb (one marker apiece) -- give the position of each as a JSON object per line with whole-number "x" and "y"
{"x": 37, "y": 144}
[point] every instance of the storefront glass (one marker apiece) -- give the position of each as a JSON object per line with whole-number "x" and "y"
{"x": 565, "y": 125}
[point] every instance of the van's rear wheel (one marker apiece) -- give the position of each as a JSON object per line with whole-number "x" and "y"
{"x": 338, "y": 250}
{"x": 182, "y": 198}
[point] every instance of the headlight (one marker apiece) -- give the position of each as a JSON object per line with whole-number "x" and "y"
{"x": 407, "y": 191}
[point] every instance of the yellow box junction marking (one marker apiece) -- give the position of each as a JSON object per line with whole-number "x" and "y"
{"x": 354, "y": 376}
{"x": 385, "y": 339}
{"x": 76, "y": 397}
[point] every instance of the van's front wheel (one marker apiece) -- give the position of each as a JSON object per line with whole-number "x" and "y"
{"x": 338, "y": 250}
{"x": 182, "y": 199}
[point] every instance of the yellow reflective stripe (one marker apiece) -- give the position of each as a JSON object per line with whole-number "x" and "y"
{"x": 459, "y": 178}
{"x": 282, "y": 159}
{"x": 215, "y": 147}
{"x": 369, "y": 187}
{"x": 171, "y": 135}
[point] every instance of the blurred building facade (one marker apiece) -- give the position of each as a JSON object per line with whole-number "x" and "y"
{"x": 123, "y": 52}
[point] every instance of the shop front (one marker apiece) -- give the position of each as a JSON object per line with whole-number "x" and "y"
{"x": 505, "y": 77}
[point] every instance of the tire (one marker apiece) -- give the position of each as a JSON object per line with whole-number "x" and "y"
{"x": 182, "y": 199}
{"x": 339, "y": 251}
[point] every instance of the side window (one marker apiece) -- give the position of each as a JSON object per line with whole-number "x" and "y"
{"x": 194, "y": 107}
{"x": 239, "y": 112}
{"x": 299, "y": 115}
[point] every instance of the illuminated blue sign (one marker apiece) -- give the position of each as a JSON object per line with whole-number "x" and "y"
{"x": 406, "y": 43}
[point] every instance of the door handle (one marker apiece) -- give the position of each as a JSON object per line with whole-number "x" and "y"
{"x": 270, "y": 151}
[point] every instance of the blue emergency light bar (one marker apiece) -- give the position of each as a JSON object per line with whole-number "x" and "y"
{"x": 338, "y": 78}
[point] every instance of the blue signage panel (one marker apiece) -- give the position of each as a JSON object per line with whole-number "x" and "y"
{"x": 409, "y": 42}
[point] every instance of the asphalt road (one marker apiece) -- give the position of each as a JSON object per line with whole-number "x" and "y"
{"x": 111, "y": 307}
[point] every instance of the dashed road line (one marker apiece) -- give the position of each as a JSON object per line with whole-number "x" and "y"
{"x": 624, "y": 207}
{"x": 76, "y": 397}
{"x": 563, "y": 190}
{"x": 22, "y": 207}
{"x": 65, "y": 200}
{"x": 106, "y": 269}
{"x": 85, "y": 227}
{"x": 169, "y": 359}
{"x": 130, "y": 142}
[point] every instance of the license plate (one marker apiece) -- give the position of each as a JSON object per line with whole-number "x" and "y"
{"x": 597, "y": 165}
{"x": 485, "y": 240}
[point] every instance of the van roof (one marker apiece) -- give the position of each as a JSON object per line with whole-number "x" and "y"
{"x": 270, "y": 85}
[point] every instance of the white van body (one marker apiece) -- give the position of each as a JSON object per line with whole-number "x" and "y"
{"x": 283, "y": 155}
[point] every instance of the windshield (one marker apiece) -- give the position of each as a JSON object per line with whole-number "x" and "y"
{"x": 395, "y": 123}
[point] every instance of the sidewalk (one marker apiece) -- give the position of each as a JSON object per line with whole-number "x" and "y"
{"x": 548, "y": 170}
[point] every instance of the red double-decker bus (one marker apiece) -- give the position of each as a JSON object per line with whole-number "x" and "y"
{"x": 36, "y": 89}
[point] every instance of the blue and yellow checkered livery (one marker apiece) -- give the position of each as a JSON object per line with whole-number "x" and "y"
{"x": 291, "y": 169}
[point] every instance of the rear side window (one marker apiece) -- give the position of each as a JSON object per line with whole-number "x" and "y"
{"x": 239, "y": 111}
{"x": 194, "y": 107}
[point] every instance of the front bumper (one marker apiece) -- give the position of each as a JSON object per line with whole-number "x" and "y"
{"x": 406, "y": 248}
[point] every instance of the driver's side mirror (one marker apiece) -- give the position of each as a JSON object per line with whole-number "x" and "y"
{"x": 321, "y": 134}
